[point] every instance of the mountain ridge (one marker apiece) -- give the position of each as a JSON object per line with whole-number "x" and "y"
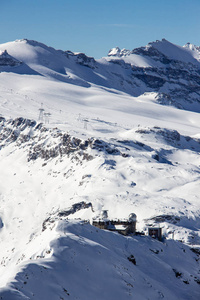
{"x": 171, "y": 71}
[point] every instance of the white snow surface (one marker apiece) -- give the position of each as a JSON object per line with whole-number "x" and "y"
{"x": 153, "y": 173}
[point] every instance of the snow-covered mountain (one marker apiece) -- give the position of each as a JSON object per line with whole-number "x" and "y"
{"x": 169, "y": 70}
{"x": 78, "y": 136}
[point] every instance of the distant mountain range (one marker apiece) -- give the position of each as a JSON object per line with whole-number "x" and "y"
{"x": 172, "y": 71}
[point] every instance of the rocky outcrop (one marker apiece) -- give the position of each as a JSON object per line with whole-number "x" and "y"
{"x": 44, "y": 143}
{"x": 81, "y": 59}
{"x": 7, "y": 60}
{"x": 64, "y": 214}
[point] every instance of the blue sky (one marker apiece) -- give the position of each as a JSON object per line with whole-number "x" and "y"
{"x": 95, "y": 26}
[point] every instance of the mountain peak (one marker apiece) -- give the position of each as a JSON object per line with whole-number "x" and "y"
{"x": 192, "y": 47}
{"x": 4, "y": 53}
{"x": 114, "y": 51}
{"x": 118, "y": 52}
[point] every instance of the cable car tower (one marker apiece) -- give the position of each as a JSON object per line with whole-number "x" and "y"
{"x": 85, "y": 123}
{"x": 47, "y": 116}
{"x": 41, "y": 113}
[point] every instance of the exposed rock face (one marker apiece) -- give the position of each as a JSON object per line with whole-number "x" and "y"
{"x": 41, "y": 142}
{"x": 8, "y": 61}
{"x": 176, "y": 80}
{"x": 81, "y": 59}
{"x": 181, "y": 80}
{"x": 85, "y": 60}
{"x": 64, "y": 214}
{"x": 46, "y": 144}
{"x": 170, "y": 136}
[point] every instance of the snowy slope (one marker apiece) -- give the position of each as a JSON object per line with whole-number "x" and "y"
{"x": 98, "y": 148}
{"x": 112, "y": 267}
